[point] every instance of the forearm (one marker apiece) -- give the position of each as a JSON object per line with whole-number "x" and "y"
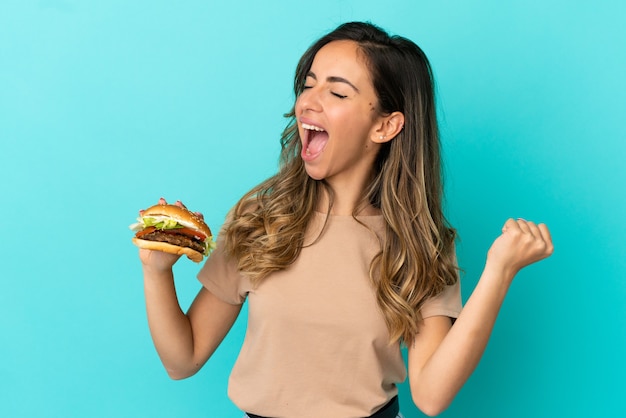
{"x": 169, "y": 327}
{"x": 451, "y": 364}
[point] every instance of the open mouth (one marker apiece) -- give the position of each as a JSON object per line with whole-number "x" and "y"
{"x": 314, "y": 141}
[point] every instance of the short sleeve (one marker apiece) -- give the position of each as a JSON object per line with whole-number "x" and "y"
{"x": 447, "y": 303}
{"x": 220, "y": 276}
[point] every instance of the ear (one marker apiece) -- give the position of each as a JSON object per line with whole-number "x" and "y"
{"x": 389, "y": 127}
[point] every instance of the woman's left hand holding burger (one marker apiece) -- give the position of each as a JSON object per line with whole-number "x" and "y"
{"x": 160, "y": 261}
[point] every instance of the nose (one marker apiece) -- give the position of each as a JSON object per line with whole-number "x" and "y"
{"x": 310, "y": 100}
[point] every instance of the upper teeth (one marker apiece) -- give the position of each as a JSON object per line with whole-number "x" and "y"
{"x": 312, "y": 127}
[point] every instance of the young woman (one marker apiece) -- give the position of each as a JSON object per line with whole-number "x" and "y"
{"x": 345, "y": 253}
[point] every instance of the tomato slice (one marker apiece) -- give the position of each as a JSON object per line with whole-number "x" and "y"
{"x": 145, "y": 231}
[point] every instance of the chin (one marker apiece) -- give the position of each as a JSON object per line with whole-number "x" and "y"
{"x": 315, "y": 177}
{"x": 313, "y": 173}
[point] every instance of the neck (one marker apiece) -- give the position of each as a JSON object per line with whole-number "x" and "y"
{"x": 345, "y": 201}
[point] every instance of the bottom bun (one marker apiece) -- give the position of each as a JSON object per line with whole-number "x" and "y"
{"x": 193, "y": 255}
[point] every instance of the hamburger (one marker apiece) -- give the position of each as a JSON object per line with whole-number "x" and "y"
{"x": 173, "y": 229}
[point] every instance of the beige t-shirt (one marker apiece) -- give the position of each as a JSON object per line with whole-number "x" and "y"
{"x": 316, "y": 343}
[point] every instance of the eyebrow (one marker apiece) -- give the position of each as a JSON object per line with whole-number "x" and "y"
{"x": 334, "y": 79}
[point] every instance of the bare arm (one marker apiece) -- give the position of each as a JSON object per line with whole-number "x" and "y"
{"x": 184, "y": 342}
{"x": 442, "y": 356}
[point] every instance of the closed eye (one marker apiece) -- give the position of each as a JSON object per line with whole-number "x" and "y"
{"x": 341, "y": 96}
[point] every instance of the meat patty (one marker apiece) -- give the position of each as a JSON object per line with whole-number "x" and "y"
{"x": 175, "y": 239}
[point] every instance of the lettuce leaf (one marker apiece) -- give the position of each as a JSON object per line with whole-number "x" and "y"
{"x": 161, "y": 223}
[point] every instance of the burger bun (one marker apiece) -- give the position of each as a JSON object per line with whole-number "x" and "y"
{"x": 181, "y": 215}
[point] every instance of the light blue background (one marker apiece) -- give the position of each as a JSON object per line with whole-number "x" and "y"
{"x": 97, "y": 98}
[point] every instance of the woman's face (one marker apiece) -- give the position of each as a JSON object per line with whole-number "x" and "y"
{"x": 337, "y": 116}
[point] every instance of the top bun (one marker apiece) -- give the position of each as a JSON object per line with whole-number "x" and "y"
{"x": 181, "y": 215}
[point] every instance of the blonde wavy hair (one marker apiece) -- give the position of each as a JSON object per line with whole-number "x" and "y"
{"x": 417, "y": 259}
